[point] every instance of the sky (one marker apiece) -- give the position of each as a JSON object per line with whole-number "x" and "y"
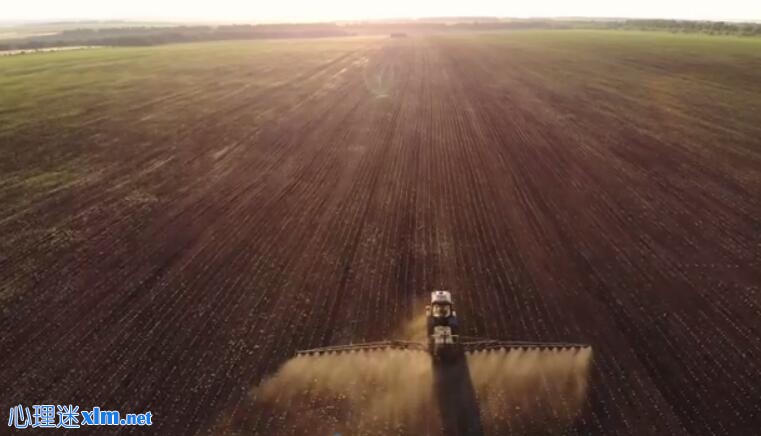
{"x": 325, "y": 10}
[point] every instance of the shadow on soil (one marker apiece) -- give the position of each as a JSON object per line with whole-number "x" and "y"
{"x": 456, "y": 398}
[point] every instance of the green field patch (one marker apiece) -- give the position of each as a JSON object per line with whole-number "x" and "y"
{"x": 48, "y": 180}
{"x": 140, "y": 198}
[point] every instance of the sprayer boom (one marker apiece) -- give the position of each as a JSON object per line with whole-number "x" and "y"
{"x": 478, "y": 345}
{"x": 365, "y": 346}
{"x": 444, "y": 342}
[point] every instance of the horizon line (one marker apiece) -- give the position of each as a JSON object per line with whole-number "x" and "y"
{"x": 178, "y": 20}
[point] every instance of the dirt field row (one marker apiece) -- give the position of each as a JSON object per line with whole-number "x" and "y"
{"x": 581, "y": 187}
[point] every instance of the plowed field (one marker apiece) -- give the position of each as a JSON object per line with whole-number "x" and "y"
{"x": 176, "y": 222}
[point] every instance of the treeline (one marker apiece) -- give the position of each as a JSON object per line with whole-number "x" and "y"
{"x": 153, "y": 35}
{"x": 438, "y": 26}
{"x": 146, "y": 36}
{"x": 683, "y": 26}
{"x": 481, "y": 24}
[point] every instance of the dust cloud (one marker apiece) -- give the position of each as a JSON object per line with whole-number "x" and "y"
{"x": 404, "y": 392}
{"x": 414, "y": 330}
{"x": 365, "y": 390}
{"x": 521, "y": 391}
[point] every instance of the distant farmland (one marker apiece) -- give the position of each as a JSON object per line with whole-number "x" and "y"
{"x": 176, "y": 221}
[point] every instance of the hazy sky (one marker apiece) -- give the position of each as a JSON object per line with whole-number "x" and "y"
{"x": 314, "y": 10}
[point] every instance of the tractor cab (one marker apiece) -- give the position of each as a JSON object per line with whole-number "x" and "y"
{"x": 441, "y": 311}
{"x": 442, "y": 325}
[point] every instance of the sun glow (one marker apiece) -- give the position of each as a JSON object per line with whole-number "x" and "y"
{"x": 325, "y": 10}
